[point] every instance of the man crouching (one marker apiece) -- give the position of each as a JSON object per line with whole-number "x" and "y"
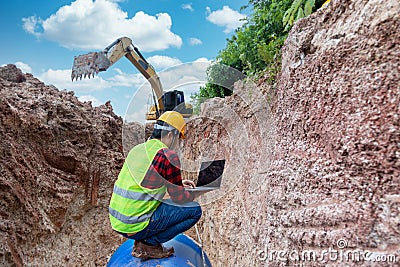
{"x": 137, "y": 209}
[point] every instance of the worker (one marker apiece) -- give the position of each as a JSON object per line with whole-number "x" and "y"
{"x": 137, "y": 208}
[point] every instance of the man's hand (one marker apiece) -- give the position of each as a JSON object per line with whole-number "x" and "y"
{"x": 188, "y": 184}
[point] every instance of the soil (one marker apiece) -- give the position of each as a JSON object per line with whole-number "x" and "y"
{"x": 312, "y": 163}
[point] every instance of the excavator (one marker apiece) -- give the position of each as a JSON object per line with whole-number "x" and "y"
{"x": 88, "y": 65}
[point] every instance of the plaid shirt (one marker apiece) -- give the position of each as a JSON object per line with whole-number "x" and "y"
{"x": 165, "y": 170}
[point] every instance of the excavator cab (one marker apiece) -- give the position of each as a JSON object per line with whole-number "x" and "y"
{"x": 175, "y": 100}
{"x": 172, "y": 100}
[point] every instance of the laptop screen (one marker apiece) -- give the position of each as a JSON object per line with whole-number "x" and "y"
{"x": 211, "y": 173}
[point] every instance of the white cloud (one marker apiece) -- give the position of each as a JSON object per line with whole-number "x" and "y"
{"x": 203, "y": 59}
{"x": 162, "y": 62}
{"x": 185, "y": 73}
{"x": 126, "y": 79}
{"x": 85, "y": 24}
{"x": 25, "y": 68}
{"x": 226, "y": 17}
{"x": 62, "y": 80}
{"x": 90, "y": 98}
{"x": 188, "y": 6}
{"x": 31, "y": 24}
{"x": 195, "y": 41}
{"x": 186, "y": 77}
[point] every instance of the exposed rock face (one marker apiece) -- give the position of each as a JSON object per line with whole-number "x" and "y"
{"x": 133, "y": 133}
{"x": 313, "y": 164}
{"x": 59, "y": 158}
{"x": 12, "y": 74}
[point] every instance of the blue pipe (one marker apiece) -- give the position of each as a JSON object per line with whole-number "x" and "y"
{"x": 187, "y": 253}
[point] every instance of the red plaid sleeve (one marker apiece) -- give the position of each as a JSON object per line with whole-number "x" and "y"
{"x": 166, "y": 170}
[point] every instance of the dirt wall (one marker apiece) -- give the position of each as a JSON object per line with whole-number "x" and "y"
{"x": 59, "y": 158}
{"x": 313, "y": 164}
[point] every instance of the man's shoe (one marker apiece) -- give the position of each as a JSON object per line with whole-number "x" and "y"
{"x": 144, "y": 251}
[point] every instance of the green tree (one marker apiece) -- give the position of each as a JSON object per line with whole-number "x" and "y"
{"x": 220, "y": 82}
{"x": 255, "y": 48}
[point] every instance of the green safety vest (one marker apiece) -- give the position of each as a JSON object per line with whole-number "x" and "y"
{"x": 132, "y": 205}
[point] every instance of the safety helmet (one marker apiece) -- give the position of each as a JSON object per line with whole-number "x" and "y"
{"x": 175, "y": 119}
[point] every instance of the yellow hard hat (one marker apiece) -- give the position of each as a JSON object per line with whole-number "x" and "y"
{"x": 175, "y": 119}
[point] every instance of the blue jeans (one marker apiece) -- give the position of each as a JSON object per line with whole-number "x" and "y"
{"x": 169, "y": 220}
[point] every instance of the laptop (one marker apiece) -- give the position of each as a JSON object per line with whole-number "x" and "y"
{"x": 210, "y": 176}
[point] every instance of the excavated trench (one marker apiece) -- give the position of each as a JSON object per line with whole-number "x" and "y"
{"x": 312, "y": 163}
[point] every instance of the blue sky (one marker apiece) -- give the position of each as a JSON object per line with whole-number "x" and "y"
{"x": 179, "y": 38}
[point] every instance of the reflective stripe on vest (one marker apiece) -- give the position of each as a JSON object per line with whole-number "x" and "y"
{"x": 132, "y": 205}
{"x": 129, "y": 219}
{"x": 137, "y": 195}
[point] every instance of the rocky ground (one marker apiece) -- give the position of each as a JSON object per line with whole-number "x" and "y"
{"x": 312, "y": 163}
{"x": 59, "y": 158}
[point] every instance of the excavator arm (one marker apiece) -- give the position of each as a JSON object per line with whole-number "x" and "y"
{"x": 92, "y": 63}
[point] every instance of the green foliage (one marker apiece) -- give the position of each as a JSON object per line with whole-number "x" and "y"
{"x": 299, "y": 9}
{"x": 271, "y": 55}
{"x": 220, "y": 81}
{"x": 262, "y": 31}
{"x": 255, "y": 48}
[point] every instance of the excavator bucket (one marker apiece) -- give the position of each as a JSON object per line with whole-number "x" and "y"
{"x": 89, "y": 65}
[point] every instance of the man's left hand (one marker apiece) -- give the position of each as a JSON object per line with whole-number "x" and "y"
{"x": 188, "y": 183}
